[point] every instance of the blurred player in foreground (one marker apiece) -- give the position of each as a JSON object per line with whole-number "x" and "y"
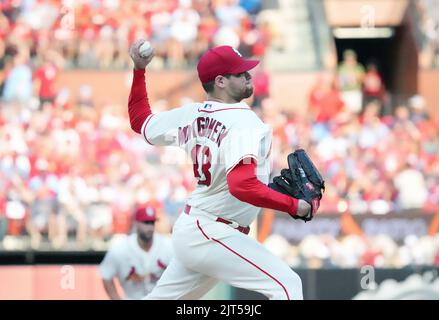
{"x": 138, "y": 260}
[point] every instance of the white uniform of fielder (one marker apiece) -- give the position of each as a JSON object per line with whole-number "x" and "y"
{"x": 137, "y": 270}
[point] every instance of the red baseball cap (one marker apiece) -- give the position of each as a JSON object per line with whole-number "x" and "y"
{"x": 145, "y": 214}
{"x": 220, "y": 61}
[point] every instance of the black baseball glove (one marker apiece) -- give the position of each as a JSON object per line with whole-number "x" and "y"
{"x": 301, "y": 180}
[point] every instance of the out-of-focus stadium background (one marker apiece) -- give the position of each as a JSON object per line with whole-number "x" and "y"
{"x": 354, "y": 82}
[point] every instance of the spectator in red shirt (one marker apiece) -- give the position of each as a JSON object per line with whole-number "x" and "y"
{"x": 45, "y": 81}
{"x": 325, "y": 101}
{"x": 373, "y": 85}
{"x": 261, "y": 83}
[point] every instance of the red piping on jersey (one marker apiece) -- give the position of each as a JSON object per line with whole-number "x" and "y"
{"x": 199, "y": 227}
{"x": 254, "y": 265}
{"x": 245, "y": 186}
{"x": 212, "y": 111}
{"x": 144, "y": 128}
{"x": 138, "y": 105}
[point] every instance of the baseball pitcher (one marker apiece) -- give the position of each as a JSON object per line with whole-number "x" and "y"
{"x": 230, "y": 148}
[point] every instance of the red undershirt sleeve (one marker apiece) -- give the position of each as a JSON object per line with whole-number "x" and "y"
{"x": 245, "y": 186}
{"x": 138, "y": 105}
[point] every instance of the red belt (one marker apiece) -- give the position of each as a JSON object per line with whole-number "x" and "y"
{"x": 245, "y": 230}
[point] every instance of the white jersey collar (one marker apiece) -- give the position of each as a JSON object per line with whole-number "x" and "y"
{"x": 212, "y": 105}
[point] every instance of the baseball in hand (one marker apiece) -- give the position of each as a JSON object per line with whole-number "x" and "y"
{"x": 145, "y": 49}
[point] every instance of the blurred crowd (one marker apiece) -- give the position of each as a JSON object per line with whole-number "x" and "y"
{"x": 376, "y": 161}
{"x": 352, "y": 251}
{"x": 69, "y": 168}
{"x": 96, "y": 33}
{"x": 81, "y": 169}
{"x": 429, "y": 27}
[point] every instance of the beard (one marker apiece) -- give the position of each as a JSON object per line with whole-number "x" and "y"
{"x": 246, "y": 93}
{"x": 145, "y": 237}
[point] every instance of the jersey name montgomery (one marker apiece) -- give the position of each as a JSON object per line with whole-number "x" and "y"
{"x": 203, "y": 127}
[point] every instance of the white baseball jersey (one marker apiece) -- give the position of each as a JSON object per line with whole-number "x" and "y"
{"x": 136, "y": 269}
{"x": 217, "y": 137}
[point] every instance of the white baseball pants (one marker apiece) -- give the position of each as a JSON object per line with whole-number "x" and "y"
{"x": 207, "y": 251}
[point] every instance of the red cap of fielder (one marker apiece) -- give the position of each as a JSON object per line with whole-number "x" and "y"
{"x": 220, "y": 61}
{"x": 145, "y": 214}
